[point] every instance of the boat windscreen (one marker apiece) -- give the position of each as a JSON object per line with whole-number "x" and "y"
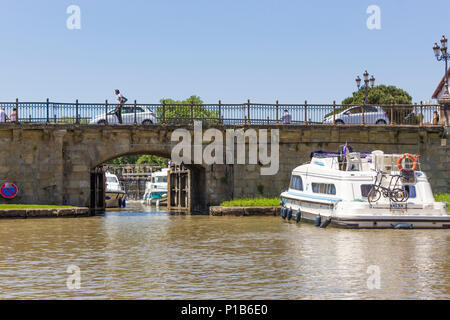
{"x": 328, "y": 154}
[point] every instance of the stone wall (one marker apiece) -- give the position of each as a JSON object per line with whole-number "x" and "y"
{"x": 296, "y": 144}
{"x": 51, "y": 164}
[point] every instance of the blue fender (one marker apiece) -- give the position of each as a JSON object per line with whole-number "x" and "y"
{"x": 289, "y": 214}
{"x": 317, "y": 221}
{"x": 298, "y": 216}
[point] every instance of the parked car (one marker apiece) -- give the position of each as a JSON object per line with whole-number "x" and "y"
{"x": 353, "y": 115}
{"x": 144, "y": 116}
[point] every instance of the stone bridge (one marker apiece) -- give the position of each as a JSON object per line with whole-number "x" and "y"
{"x": 51, "y": 164}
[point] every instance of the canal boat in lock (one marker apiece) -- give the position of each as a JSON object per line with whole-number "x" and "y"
{"x": 114, "y": 194}
{"x": 363, "y": 190}
{"x": 156, "y": 188}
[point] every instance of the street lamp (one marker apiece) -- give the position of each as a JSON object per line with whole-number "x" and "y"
{"x": 442, "y": 54}
{"x": 366, "y": 83}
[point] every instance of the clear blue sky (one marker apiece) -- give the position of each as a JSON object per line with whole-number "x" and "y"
{"x": 231, "y": 50}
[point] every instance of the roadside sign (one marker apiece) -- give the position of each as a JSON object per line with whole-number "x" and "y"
{"x": 8, "y": 190}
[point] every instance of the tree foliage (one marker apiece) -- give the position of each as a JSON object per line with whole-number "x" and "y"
{"x": 140, "y": 159}
{"x": 154, "y": 160}
{"x": 379, "y": 95}
{"x": 181, "y": 111}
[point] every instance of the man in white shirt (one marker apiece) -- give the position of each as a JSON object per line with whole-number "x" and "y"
{"x": 3, "y": 115}
{"x": 121, "y": 100}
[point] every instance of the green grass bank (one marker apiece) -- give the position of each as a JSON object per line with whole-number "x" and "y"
{"x": 252, "y": 202}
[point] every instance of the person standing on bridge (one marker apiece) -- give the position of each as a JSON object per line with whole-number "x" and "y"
{"x": 286, "y": 118}
{"x": 13, "y": 115}
{"x": 435, "y": 118}
{"x": 122, "y": 100}
{"x": 3, "y": 116}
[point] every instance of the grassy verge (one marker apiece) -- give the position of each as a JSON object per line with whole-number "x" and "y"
{"x": 31, "y": 206}
{"x": 444, "y": 197}
{"x": 252, "y": 202}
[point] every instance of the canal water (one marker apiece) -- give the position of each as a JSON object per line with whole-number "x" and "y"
{"x": 141, "y": 253}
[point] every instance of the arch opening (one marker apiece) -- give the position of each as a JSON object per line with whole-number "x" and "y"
{"x": 135, "y": 174}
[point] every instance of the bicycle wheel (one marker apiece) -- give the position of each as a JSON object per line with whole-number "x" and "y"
{"x": 400, "y": 195}
{"x": 373, "y": 195}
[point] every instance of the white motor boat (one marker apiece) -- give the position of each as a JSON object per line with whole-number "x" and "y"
{"x": 363, "y": 190}
{"x": 156, "y": 188}
{"x": 114, "y": 193}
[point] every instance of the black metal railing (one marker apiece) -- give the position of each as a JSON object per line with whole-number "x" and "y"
{"x": 227, "y": 114}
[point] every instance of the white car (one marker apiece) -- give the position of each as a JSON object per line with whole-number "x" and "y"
{"x": 353, "y": 115}
{"x": 144, "y": 116}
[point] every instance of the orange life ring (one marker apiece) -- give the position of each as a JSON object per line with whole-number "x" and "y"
{"x": 410, "y": 157}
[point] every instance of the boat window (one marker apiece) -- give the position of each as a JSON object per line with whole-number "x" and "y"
{"x": 111, "y": 179}
{"x": 297, "y": 183}
{"x": 160, "y": 179}
{"x": 325, "y": 188}
{"x": 365, "y": 189}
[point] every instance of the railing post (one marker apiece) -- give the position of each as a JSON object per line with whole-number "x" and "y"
{"x": 421, "y": 114}
{"x": 106, "y": 111}
{"x": 392, "y": 113}
{"x": 220, "y": 111}
{"x": 17, "y": 110}
{"x": 48, "y": 111}
{"x": 362, "y": 111}
{"x": 164, "y": 112}
{"x": 334, "y": 112}
{"x": 277, "y": 110}
{"x": 248, "y": 111}
{"x": 77, "y": 121}
{"x": 415, "y": 112}
{"x": 306, "y": 112}
{"x": 135, "y": 120}
{"x": 192, "y": 113}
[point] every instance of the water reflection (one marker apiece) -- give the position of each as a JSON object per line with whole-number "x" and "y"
{"x": 149, "y": 254}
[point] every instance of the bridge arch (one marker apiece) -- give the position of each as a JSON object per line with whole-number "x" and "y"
{"x": 197, "y": 174}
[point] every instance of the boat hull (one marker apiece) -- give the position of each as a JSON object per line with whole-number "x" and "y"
{"x": 113, "y": 199}
{"x": 392, "y": 222}
{"x": 367, "y": 218}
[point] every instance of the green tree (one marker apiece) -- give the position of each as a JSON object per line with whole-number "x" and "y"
{"x": 131, "y": 159}
{"x": 140, "y": 159}
{"x": 379, "y": 95}
{"x": 151, "y": 159}
{"x": 181, "y": 111}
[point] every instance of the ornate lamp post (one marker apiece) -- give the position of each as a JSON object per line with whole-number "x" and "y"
{"x": 366, "y": 87}
{"x": 366, "y": 83}
{"x": 442, "y": 55}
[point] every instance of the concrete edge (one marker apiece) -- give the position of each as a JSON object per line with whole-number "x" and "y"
{"x": 244, "y": 211}
{"x": 44, "y": 213}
